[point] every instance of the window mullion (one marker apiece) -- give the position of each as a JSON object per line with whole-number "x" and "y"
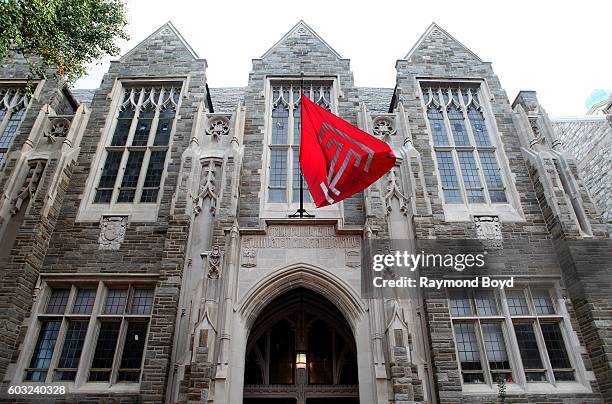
{"x": 290, "y": 174}
{"x": 119, "y": 350}
{"x": 290, "y": 140}
{"x": 451, "y": 144}
{"x": 120, "y": 172}
{"x": 288, "y": 178}
{"x": 126, "y": 152}
{"x": 466, "y": 120}
{"x": 89, "y": 344}
{"x": 472, "y": 140}
{"x": 59, "y": 344}
{"x": 291, "y": 120}
{"x": 518, "y": 371}
{"x": 134, "y": 123}
{"x": 459, "y": 173}
{"x": 484, "y": 359}
{"x": 143, "y": 172}
{"x": 111, "y": 133}
{"x": 544, "y": 352}
{"x": 483, "y": 182}
{"x": 540, "y": 339}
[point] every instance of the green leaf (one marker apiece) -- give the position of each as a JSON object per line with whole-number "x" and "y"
{"x": 61, "y": 37}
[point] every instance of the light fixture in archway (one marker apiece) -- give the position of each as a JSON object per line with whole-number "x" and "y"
{"x": 300, "y": 360}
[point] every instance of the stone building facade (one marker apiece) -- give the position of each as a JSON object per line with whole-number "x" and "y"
{"x": 149, "y": 252}
{"x": 589, "y": 139}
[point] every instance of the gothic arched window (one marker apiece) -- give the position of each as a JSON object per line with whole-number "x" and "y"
{"x": 13, "y": 105}
{"x": 285, "y": 136}
{"x": 467, "y": 162}
{"x": 136, "y": 153}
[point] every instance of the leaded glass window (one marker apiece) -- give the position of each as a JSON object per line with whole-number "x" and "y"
{"x": 469, "y": 354}
{"x": 131, "y": 360}
{"x": 115, "y": 301}
{"x": 71, "y": 351}
{"x": 488, "y": 323}
{"x": 448, "y": 174}
{"x": 285, "y": 134}
{"x": 460, "y": 304}
{"x": 84, "y": 301}
{"x": 481, "y": 346}
{"x": 58, "y": 301}
{"x": 517, "y": 302}
{"x": 485, "y": 303}
{"x": 39, "y": 365}
{"x": 142, "y": 301}
{"x": 467, "y": 163}
{"x": 155, "y": 171}
{"x": 108, "y": 177}
{"x": 13, "y": 105}
{"x": 495, "y": 348}
{"x": 557, "y": 353}
{"x": 102, "y": 363}
{"x": 471, "y": 179}
{"x": 136, "y": 153}
{"x": 109, "y": 320}
{"x": 542, "y": 302}
{"x": 530, "y": 354}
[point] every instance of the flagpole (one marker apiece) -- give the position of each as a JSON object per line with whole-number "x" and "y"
{"x": 301, "y": 211}
{"x": 301, "y": 176}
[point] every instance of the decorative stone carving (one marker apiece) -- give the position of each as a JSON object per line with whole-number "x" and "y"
{"x": 538, "y": 138}
{"x": 249, "y": 257}
{"x": 437, "y": 34}
{"x": 30, "y": 185}
{"x": 218, "y": 126}
{"x": 112, "y": 232}
{"x": 394, "y": 191}
{"x": 488, "y": 230}
{"x": 57, "y": 127}
{"x": 207, "y": 187}
{"x": 383, "y": 126}
{"x": 214, "y": 262}
{"x": 353, "y": 259}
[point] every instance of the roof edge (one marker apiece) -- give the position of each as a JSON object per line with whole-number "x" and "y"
{"x": 167, "y": 24}
{"x": 428, "y": 31}
{"x": 303, "y": 24}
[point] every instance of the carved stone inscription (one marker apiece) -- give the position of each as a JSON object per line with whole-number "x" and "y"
{"x": 300, "y": 237}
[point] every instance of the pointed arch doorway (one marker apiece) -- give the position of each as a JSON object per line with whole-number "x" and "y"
{"x": 301, "y": 350}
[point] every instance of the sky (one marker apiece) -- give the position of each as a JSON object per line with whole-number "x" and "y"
{"x": 560, "y": 49}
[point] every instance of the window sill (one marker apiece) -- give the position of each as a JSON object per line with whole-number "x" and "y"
{"x": 284, "y": 210}
{"x": 91, "y": 387}
{"x": 531, "y": 388}
{"x": 463, "y": 213}
{"x": 138, "y": 212}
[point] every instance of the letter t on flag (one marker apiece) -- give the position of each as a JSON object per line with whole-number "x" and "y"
{"x": 338, "y": 159}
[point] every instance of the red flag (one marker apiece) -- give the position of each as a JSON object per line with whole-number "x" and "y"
{"x": 337, "y": 158}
